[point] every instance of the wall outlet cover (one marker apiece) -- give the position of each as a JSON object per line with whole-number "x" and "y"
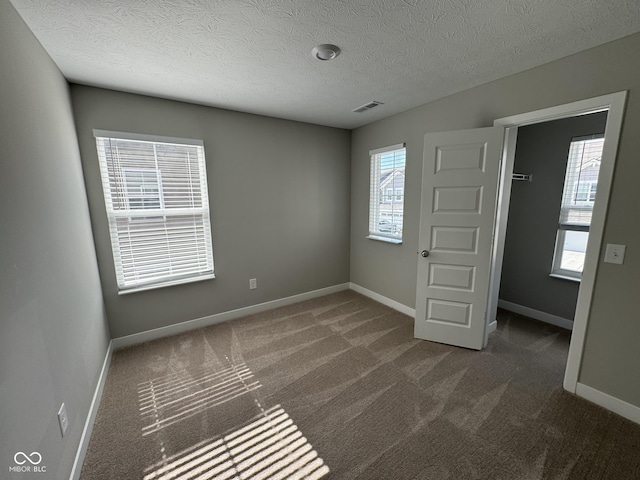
{"x": 62, "y": 419}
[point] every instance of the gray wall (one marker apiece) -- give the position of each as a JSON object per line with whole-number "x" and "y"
{"x": 279, "y": 199}
{"x": 534, "y": 211}
{"x": 611, "y": 354}
{"x": 53, "y": 332}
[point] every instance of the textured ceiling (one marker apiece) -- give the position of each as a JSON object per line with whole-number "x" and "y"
{"x": 255, "y": 55}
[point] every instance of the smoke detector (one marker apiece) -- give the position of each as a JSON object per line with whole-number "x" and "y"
{"x": 325, "y": 52}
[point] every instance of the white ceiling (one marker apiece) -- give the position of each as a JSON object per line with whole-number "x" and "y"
{"x": 255, "y": 55}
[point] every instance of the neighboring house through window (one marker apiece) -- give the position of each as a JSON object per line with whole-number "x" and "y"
{"x": 578, "y": 196}
{"x": 157, "y": 204}
{"x": 386, "y": 200}
{"x": 142, "y": 188}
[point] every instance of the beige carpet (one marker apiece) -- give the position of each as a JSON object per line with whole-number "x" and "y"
{"x": 337, "y": 387}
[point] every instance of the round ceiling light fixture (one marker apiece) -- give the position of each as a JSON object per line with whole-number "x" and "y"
{"x": 325, "y": 52}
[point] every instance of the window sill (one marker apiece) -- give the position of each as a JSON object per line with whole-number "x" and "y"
{"x": 565, "y": 277}
{"x": 395, "y": 241}
{"x": 153, "y": 286}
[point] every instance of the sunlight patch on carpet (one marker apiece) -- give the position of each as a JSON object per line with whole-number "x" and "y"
{"x": 269, "y": 447}
{"x": 168, "y": 400}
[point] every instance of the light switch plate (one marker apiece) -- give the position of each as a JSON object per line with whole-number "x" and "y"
{"x": 615, "y": 253}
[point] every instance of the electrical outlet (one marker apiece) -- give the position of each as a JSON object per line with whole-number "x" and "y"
{"x": 614, "y": 253}
{"x": 253, "y": 284}
{"x": 62, "y": 419}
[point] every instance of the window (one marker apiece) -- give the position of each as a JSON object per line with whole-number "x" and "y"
{"x": 155, "y": 191}
{"x": 386, "y": 199}
{"x": 578, "y": 196}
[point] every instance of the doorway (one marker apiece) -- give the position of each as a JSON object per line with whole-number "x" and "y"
{"x": 552, "y": 195}
{"x": 613, "y": 104}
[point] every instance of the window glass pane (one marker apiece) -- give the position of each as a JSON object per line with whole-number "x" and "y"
{"x": 386, "y": 205}
{"x": 574, "y": 248}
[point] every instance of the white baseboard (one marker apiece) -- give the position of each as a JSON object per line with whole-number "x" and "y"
{"x": 384, "y": 300}
{"x": 91, "y": 417}
{"x": 493, "y": 326}
{"x": 182, "y": 327}
{"x": 536, "y": 314}
{"x": 622, "y": 408}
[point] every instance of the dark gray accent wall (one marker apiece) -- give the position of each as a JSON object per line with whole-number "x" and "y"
{"x": 279, "y": 198}
{"x": 611, "y": 353}
{"x": 53, "y": 330}
{"x": 541, "y": 150}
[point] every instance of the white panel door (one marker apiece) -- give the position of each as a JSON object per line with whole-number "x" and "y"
{"x": 457, "y": 220}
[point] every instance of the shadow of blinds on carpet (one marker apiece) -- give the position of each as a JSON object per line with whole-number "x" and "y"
{"x": 269, "y": 446}
{"x": 168, "y": 400}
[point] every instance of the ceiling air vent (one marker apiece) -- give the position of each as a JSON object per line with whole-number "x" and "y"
{"x": 367, "y": 106}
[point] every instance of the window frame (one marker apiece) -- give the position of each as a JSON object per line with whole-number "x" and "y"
{"x": 200, "y": 239}
{"x": 378, "y": 197}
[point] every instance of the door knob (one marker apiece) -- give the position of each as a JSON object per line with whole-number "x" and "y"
{"x": 424, "y": 253}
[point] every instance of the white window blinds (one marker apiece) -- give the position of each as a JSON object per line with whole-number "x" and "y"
{"x": 157, "y": 204}
{"x": 386, "y": 199}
